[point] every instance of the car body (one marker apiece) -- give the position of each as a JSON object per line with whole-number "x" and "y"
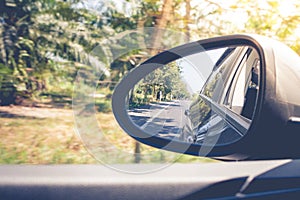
{"x": 251, "y": 110}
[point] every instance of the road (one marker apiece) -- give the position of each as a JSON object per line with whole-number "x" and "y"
{"x": 163, "y": 119}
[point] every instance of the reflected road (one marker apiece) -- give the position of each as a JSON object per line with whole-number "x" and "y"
{"x": 163, "y": 119}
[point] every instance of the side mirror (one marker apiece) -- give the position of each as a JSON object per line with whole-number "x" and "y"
{"x": 214, "y": 98}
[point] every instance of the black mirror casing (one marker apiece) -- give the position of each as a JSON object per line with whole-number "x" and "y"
{"x": 274, "y": 131}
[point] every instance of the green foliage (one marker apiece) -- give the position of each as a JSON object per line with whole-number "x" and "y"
{"x": 165, "y": 80}
{"x": 267, "y": 18}
{"x": 40, "y": 38}
{"x": 103, "y": 106}
{"x": 12, "y": 156}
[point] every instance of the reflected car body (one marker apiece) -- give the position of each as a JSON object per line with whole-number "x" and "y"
{"x": 224, "y": 86}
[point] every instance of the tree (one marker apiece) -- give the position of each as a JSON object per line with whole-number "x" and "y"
{"x": 266, "y": 18}
{"x": 41, "y": 40}
{"x": 187, "y": 18}
{"x": 167, "y": 79}
{"x": 161, "y": 24}
{"x": 18, "y": 52}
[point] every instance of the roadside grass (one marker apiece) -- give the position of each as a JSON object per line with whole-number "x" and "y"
{"x": 40, "y": 141}
{"x": 50, "y": 139}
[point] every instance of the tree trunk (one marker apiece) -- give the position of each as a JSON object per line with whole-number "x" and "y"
{"x": 162, "y": 21}
{"x": 137, "y": 152}
{"x": 2, "y": 46}
{"x": 187, "y": 18}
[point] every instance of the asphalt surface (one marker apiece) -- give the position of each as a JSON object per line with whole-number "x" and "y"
{"x": 163, "y": 119}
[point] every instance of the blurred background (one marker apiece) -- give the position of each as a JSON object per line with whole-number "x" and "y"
{"x": 42, "y": 43}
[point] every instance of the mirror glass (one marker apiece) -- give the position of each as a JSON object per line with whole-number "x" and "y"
{"x": 204, "y": 98}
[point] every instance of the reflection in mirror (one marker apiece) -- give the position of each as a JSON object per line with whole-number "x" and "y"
{"x": 204, "y": 98}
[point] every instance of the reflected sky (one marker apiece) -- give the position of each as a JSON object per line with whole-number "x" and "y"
{"x": 197, "y": 67}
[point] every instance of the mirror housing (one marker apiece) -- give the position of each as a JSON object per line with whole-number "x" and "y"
{"x": 275, "y": 128}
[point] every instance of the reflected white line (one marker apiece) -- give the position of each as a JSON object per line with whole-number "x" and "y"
{"x": 153, "y": 117}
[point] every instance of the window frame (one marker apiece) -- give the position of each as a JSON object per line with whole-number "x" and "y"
{"x": 232, "y": 86}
